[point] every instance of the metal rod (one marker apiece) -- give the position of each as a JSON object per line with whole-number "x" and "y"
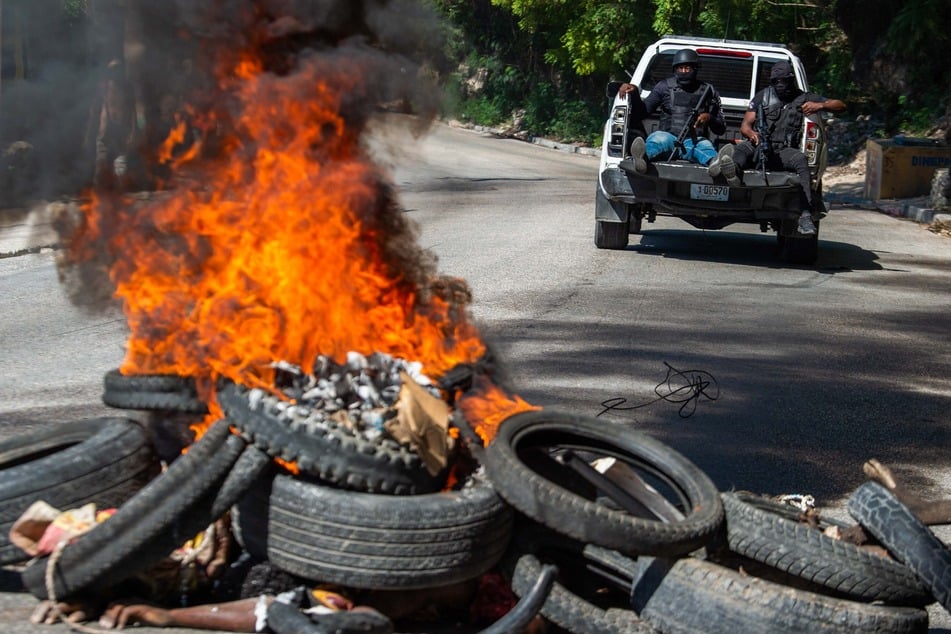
{"x": 628, "y": 502}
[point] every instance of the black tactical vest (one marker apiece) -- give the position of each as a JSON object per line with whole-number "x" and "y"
{"x": 680, "y": 103}
{"x": 783, "y": 120}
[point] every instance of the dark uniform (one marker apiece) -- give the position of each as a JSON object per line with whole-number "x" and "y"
{"x": 677, "y": 97}
{"x": 676, "y": 102}
{"x": 784, "y": 129}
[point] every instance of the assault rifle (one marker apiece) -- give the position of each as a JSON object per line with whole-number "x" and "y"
{"x": 765, "y": 147}
{"x": 688, "y": 128}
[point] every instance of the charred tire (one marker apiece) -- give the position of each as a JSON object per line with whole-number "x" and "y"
{"x": 577, "y": 601}
{"x": 185, "y": 402}
{"x": 529, "y": 604}
{"x": 902, "y": 533}
{"x": 525, "y": 436}
{"x": 329, "y": 451}
{"x": 171, "y": 509}
{"x": 611, "y": 235}
{"x": 570, "y": 611}
{"x": 115, "y": 381}
{"x": 760, "y": 529}
{"x": 364, "y": 540}
{"x": 248, "y": 469}
{"x": 159, "y": 392}
{"x": 103, "y": 460}
{"x": 692, "y": 595}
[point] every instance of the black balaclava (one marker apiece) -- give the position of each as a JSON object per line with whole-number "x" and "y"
{"x": 688, "y": 80}
{"x": 783, "y": 81}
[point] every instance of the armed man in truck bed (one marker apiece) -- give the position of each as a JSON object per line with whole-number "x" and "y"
{"x": 678, "y": 99}
{"x": 784, "y": 105}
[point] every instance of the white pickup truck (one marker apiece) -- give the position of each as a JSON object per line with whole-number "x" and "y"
{"x": 684, "y": 190}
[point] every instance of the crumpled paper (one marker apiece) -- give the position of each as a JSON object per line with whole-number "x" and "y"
{"x": 41, "y": 528}
{"x": 422, "y": 420}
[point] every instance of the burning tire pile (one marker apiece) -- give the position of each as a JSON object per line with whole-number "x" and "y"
{"x": 276, "y": 236}
{"x": 593, "y": 526}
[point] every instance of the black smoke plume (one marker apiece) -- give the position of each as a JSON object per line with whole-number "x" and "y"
{"x": 383, "y": 54}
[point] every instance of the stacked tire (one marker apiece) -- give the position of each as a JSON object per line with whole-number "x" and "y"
{"x": 361, "y": 513}
{"x": 104, "y": 461}
{"x": 718, "y": 562}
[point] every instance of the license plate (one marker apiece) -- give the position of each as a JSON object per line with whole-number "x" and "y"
{"x": 709, "y": 192}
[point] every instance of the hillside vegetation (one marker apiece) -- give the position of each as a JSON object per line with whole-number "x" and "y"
{"x": 541, "y": 66}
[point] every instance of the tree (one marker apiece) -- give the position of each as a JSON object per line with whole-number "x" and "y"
{"x": 884, "y": 48}
{"x": 896, "y": 55}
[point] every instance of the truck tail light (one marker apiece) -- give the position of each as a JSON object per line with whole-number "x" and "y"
{"x": 811, "y": 142}
{"x": 616, "y": 140}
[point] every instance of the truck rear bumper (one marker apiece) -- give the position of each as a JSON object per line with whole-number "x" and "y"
{"x": 667, "y": 188}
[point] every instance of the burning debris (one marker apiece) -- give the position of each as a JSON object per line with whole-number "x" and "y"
{"x": 376, "y": 406}
{"x": 374, "y": 423}
{"x": 270, "y": 265}
{"x": 365, "y": 388}
{"x": 276, "y": 237}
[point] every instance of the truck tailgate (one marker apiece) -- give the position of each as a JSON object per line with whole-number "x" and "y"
{"x": 679, "y": 186}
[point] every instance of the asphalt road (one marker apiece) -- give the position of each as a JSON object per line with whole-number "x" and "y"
{"x": 804, "y": 372}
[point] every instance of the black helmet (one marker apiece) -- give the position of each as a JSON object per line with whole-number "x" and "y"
{"x": 686, "y": 56}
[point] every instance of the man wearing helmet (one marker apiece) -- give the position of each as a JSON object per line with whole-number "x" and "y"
{"x": 784, "y": 107}
{"x": 677, "y": 97}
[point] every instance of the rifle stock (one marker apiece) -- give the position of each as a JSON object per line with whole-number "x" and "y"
{"x": 691, "y": 121}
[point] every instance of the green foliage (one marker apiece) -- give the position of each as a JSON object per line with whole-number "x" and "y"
{"x": 549, "y": 59}
{"x": 74, "y": 9}
{"x": 915, "y": 35}
{"x": 485, "y": 90}
{"x": 584, "y": 36}
{"x": 548, "y": 113}
{"x": 672, "y": 16}
{"x": 916, "y": 115}
{"x": 603, "y": 36}
{"x": 920, "y": 28}
{"x": 483, "y": 110}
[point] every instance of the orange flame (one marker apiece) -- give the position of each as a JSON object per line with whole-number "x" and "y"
{"x": 488, "y": 405}
{"x": 274, "y": 252}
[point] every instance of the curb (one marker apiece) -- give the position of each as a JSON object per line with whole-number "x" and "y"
{"x": 26, "y": 231}
{"x": 560, "y": 146}
{"x": 912, "y": 211}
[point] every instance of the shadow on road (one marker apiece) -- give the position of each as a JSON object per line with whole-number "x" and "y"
{"x": 747, "y": 249}
{"x": 794, "y": 412}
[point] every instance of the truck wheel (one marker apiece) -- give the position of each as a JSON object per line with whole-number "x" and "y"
{"x": 611, "y": 235}
{"x": 798, "y": 250}
{"x": 634, "y": 222}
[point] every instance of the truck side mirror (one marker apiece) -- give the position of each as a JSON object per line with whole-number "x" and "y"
{"x": 612, "y": 89}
